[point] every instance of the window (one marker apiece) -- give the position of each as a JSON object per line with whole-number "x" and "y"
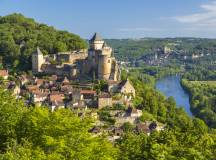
{"x": 109, "y": 61}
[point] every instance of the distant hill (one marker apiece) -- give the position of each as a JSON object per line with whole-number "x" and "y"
{"x": 19, "y": 37}
{"x": 132, "y": 49}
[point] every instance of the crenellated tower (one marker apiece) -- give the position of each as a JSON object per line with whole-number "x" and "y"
{"x": 100, "y": 59}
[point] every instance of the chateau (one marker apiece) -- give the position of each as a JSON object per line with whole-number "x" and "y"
{"x": 96, "y": 63}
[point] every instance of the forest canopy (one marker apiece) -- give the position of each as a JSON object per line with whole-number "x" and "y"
{"x": 19, "y": 37}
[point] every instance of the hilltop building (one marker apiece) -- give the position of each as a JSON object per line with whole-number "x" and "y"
{"x": 98, "y": 62}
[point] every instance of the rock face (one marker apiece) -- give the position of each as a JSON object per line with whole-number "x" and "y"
{"x": 98, "y": 62}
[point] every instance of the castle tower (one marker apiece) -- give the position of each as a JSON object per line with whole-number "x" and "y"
{"x": 100, "y": 60}
{"x": 104, "y": 67}
{"x": 96, "y": 42}
{"x": 37, "y": 60}
{"x": 106, "y": 50}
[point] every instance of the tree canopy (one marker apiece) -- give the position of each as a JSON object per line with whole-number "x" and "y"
{"x": 37, "y": 133}
{"x": 19, "y": 37}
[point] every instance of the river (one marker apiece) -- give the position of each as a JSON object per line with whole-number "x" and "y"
{"x": 170, "y": 86}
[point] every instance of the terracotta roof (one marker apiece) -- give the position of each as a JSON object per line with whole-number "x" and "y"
{"x": 40, "y": 81}
{"x": 87, "y": 92}
{"x": 32, "y": 87}
{"x": 3, "y": 72}
{"x": 57, "y": 97}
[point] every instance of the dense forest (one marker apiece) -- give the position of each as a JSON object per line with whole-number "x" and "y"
{"x": 19, "y": 37}
{"x": 200, "y": 72}
{"x": 203, "y": 99}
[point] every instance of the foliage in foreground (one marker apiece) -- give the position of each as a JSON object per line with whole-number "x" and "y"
{"x": 36, "y": 133}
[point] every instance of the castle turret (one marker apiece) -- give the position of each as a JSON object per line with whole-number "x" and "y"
{"x": 37, "y": 60}
{"x": 100, "y": 60}
{"x": 96, "y": 42}
{"x": 104, "y": 67}
{"x": 106, "y": 50}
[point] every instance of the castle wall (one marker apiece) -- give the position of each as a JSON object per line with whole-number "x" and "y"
{"x": 75, "y": 57}
{"x": 71, "y": 57}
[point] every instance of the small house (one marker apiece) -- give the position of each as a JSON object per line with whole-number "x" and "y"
{"x": 125, "y": 87}
{"x": 104, "y": 99}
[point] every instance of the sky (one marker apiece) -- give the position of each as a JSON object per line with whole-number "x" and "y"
{"x": 121, "y": 18}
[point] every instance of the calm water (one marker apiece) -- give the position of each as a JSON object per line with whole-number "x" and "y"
{"x": 170, "y": 86}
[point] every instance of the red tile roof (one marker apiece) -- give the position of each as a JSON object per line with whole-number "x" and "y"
{"x": 87, "y": 92}
{"x": 56, "y": 97}
{"x": 3, "y": 73}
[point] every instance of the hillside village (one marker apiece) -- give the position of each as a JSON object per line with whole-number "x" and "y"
{"x": 86, "y": 81}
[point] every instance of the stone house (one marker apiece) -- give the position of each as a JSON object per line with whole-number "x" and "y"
{"x": 39, "y": 97}
{"x": 104, "y": 99}
{"x": 56, "y": 101}
{"x": 125, "y": 87}
{"x": 77, "y": 105}
{"x": 88, "y": 96}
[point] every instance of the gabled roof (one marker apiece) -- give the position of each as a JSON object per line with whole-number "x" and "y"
{"x": 38, "y": 51}
{"x": 96, "y": 37}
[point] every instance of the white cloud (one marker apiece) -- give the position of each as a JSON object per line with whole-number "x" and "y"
{"x": 205, "y": 18}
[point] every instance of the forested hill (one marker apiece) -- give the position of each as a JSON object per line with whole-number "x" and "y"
{"x": 19, "y": 37}
{"x": 133, "y": 49}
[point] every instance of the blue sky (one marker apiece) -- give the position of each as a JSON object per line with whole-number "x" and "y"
{"x": 122, "y": 18}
